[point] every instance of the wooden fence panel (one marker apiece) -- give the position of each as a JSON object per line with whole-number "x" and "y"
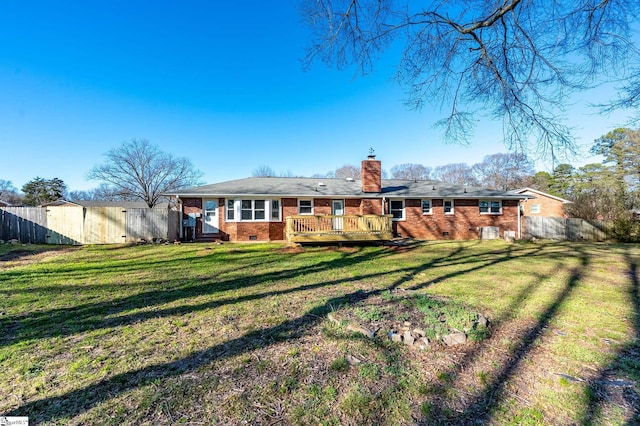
{"x": 26, "y": 224}
{"x": 147, "y": 224}
{"x": 104, "y": 225}
{"x": 65, "y": 225}
{"x": 573, "y": 229}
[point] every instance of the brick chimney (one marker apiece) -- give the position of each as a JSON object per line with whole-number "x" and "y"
{"x": 371, "y": 174}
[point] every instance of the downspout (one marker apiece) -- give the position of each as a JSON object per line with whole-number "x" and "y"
{"x": 519, "y": 230}
{"x": 383, "y": 203}
{"x": 181, "y": 217}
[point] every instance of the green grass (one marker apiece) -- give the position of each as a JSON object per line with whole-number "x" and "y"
{"x": 238, "y": 334}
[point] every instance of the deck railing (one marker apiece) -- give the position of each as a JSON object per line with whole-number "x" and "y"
{"x": 331, "y": 228}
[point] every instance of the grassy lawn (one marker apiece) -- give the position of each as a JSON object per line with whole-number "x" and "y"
{"x": 237, "y": 334}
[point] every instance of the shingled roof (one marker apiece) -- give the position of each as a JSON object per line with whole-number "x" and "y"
{"x": 348, "y": 188}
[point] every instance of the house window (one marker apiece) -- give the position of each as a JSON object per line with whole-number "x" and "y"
{"x": 231, "y": 212}
{"x": 259, "y": 210}
{"x": 448, "y": 206}
{"x": 396, "y": 208}
{"x": 305, "y": 206}
{"x": 490, "y": 206}
{"x": 426, "y": 207}
{"x": 275, "y": 210}
{"x": 535, "y": 208}
{"x": 246, "y": 210}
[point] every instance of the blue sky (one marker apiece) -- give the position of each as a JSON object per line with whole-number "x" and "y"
{"x": 218, "y": 82}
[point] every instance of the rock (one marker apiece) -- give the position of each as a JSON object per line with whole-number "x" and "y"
{"x": 13, "y": 241}
{"x": 408, "y": 338}
{"x": 407, "y": 324}
{"x": 456, "y": 338}
{"x": 422, "y": 343}
{"x": 418, "y": 332}
{"x": 356, "y": 328}
{"x": 395, "y": 337}
{"x": 482, "y": 321}
{"x": 332, "y": 318}
{"x": 352, "y": 360}
{"x": 1, "y": 241}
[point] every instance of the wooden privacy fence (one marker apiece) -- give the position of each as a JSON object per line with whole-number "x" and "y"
{"x": 86, "y": 225}
{"x": 559, "y": 228}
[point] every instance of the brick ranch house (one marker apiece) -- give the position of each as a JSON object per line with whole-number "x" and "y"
{"x": 257, "y": 208}
{"x": 542, "y": 204}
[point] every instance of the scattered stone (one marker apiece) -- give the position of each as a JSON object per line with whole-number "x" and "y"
{"x": 352, "y": 360}
{"x": 176, "y": 242}
{"x": 13, "y": 241}
{"x": 407, "y": 324}
{"x": 356, "y": 328}
{"x": 482, "y": 321}
{"x": 408, "y": 338}
{"x": 418, "y": 332}
{"x": 332, "y": 318}
{"x": 453, "y": 339}
{"x": 422, "y": 343}
{"x": 442, "y": 318}
{"x": 395, "y": 337}
{"x": 570, "y": 378}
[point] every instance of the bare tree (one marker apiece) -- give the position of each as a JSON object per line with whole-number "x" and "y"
{"x": 456, "y": 173}
{"x": 347, "y": 171}
{"x": 139, "y": 170}
{"x": 512, "y": 60}
{"x": 263, "y": 171}
{"x": 9, "y": 193}
{"x": 410, "y": 171}
{"x": 504, "y": 171}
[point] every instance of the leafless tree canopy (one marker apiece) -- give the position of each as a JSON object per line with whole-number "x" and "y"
{"x": 264, "y": 171}
{"x": 347, "y": 171}
{"x": 411, "y": 171}
{"x": 513, "y": 60}
{"x": 504, "y": 171}
{"x": 455, "y": 173}
{"x": 139, "y": 170}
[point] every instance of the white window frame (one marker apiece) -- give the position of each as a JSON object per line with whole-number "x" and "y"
{"x": 230, "y": 208}
{"x": 277, "y": 209}
{"x": 233, "y": 207}
{"x": 491, "y": 205}
{"x": 310, "y": 200}
{"x": 535, "y": 209}
{"x": 402, "y": 210}
{"x": 422, "y": 203}
{"x": 444, "y": 206}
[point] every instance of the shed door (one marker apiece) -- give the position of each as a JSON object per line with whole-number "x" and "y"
{"x": 210, "y": 217}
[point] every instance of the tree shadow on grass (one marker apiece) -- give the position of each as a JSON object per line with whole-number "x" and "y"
{"x": 80, "y": 400}
{"x": 479, "y": 408}
{"x": 607, "y": 387}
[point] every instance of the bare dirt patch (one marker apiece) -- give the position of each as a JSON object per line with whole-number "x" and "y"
{"x": 23, "y": 257}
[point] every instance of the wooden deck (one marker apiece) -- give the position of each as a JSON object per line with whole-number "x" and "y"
{"x": 329, "y": 228}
